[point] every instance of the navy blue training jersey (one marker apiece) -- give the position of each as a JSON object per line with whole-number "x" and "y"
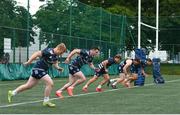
{"x": 110, "y": 62}
{"x": 133, "y": 68}
{"x": 82, "y": 59}
{"x": 122, "y": 64}
{"x": 47, "y": 59}
{"x": 144, "y": 64}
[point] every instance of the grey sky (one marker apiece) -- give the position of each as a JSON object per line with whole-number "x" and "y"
{"x": 34, "y": 5}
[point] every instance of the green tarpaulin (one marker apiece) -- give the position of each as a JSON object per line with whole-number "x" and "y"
{"x": 19, "y": 71}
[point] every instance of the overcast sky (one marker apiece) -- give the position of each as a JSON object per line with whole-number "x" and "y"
{"x": 34, "y": 5}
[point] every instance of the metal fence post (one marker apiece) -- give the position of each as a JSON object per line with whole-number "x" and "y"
{"x": 100, "y": 28}
{"x": 122, "y": 32}
{"x": 70, "y": 28}
{"x": 110, "y": 28}
{"x": 27, "y": 39}
{"x": 14, "y": 40}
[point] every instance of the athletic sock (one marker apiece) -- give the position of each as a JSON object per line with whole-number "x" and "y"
{"x": 112, "y": 80}
{"x": 99, "y": 86}
{"x": 46, "y": 99}
{"x": 114, "y": 83}
{"x": 71, "y": 87}
{"x": 59, "y": 91}
{"x": 14, "y": 92}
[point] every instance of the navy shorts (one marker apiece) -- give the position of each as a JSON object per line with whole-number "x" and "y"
{"x": 73, "y": 69}
{"x": 38, "y": 73}
{"x": 134, "y": 69}
{"x": 101, "y": 72}
{"x": 120, "y": 69}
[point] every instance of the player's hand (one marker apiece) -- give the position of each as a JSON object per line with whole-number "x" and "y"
{"x": 96, "y": 69}
{"x": 144, "y": 74}
{"x": 26, "y": 63}
{"x": 60, "y": 69}
{"x": 67, "y": 61}
{"x": 106, "y": 70}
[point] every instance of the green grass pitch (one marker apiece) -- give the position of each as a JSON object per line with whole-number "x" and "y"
{"x": 149, "y": 99}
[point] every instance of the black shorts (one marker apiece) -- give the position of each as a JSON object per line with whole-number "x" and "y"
{"x": 134, "y": 69}
{"x": 73, "y": 69}
{"x": 120, "y": 69}
{"x": 38, "y": 73}
{"x": 101, "y": 72}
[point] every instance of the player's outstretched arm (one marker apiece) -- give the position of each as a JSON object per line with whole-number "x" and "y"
{"x": 144, "y": 73}
{"x": 91, "y": 65}
{"x": 128, "y": 64}
{"x": 33, "y": 57}
{"x": 105, "y": 62}
{"x": 75, "y": 51}
{"x": 57, "y": 66}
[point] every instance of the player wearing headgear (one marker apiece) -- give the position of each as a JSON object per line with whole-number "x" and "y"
{"x": 102, "y": 70}
{"x": 48, "y": 57}
{"x": 76, "y": 77}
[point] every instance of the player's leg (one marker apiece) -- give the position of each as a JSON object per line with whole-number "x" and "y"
{"x": 72, "y": 79}
{"x": 89, "y": 82}
{"x": 97, "y": 74}
{"x": 131, "y": 79}
{"x": 111, "y": 81}
{"x": 80, "y": 78}
{"x": 134, "y": 77}
{"x": 49, "y": 85}
{"x": 105, "y": 80}
{"x": 119, "y": 80}
{"x": 127, "y": 80}
{"x": 28, "y": 85}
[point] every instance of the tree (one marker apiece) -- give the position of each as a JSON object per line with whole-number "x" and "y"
{"x": 169, "y": 18}
{"x": 13, "y": 17}
{"x": 74, "y": 21}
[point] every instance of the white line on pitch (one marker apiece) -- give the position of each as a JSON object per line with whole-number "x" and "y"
{"x": 30, "y": 102}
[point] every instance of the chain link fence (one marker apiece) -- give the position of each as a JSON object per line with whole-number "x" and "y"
{"x": 84, "y": 26}
{"x": 81, "y": 26}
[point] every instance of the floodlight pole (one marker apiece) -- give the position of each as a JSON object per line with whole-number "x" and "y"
{"x": 139, "y": 24}
{"x": 28, "y": 31}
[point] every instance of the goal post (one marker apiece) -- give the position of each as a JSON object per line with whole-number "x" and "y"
{"x": 158, "y": 79}
{"x": 140, "y": 23}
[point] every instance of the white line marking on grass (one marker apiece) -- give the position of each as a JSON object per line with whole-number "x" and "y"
{"x": 84, "y": 94}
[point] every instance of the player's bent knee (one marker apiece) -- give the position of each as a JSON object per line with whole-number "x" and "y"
{"x": 50, "y": 84}
{"x": 107, "y": 79}
{"x": 134, "y": 78}
{"x": 83, "y": 79}
{"x": 95, "y": 78}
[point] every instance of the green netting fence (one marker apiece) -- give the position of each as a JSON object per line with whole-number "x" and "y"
{"x": 81, "y": 26}
{"x": 18, "y": 71}
{"x": 78, "y": 26}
